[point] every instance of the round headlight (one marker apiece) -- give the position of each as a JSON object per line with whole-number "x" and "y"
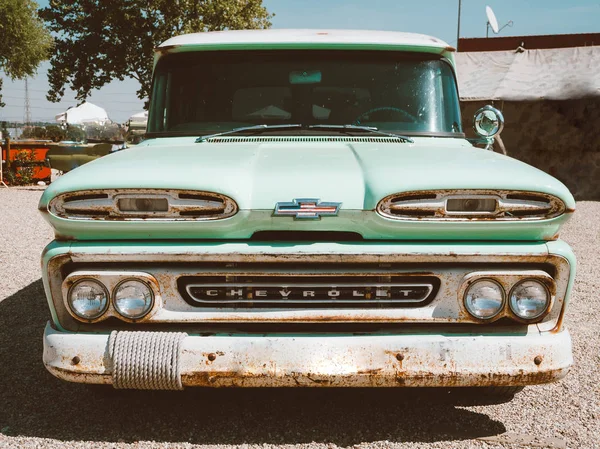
{"x": 88, "y": 299}
{"x": 484, "y": 299}
{"x": 133, "y": 299}
{"x": 529, "y": 299}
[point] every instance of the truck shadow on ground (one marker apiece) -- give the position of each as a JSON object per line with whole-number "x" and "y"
{"x": 34, "y": 403}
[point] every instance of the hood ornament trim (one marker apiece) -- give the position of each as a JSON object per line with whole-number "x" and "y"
{"x": 306, "y": 209}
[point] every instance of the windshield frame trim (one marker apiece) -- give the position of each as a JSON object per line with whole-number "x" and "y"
{"x": 422, "y": 54}
{"x": 315, "y": 132}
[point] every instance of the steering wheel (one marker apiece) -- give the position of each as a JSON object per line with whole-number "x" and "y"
{"x": 408, "y": 115}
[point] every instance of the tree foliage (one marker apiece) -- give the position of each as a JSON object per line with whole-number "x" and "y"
{"x": 55, "y": 133}
{"x": 107, "y": 132}
{"x": 98, "y": 41}
{"x": 24, "y": 40}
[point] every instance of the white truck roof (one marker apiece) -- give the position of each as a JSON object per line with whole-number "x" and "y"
{"x": 305, "y": 38}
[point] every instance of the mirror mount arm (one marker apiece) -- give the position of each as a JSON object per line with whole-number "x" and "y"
{"x": 487, "y": 141}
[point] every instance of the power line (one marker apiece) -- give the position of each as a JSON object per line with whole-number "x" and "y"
{"x": 103, "y": 93}
{"x": 43, "y": 99}
{"x": 59, "y": 108}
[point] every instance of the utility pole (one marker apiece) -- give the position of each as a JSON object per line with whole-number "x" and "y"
{"x": 27, "y": 117}
{"x": 458, "y": 28}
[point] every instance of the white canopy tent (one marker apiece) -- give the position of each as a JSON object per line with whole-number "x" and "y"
{"x": 529, "y": 75}
{"x": 139, "y": 118}
{"x": 85, "y": 113}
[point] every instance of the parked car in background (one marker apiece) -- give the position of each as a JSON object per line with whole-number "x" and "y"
{"x": 306, "y": 211}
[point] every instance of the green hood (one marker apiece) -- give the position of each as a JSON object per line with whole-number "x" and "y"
{"x": 257, "y": 175}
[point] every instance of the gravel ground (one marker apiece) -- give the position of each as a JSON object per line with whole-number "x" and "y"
{"x": 37, "y": 410}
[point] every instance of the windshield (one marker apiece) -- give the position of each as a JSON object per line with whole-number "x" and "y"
{"x": 199, "y": 93}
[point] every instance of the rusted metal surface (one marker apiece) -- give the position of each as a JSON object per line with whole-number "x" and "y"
{"x": 554, "y": 320}
{"x": 388, "y": 360}
{"x": 299, "y": 255}
{"x": 447, "y": 307}
{"x": 430, "y": 205}
{"x": 36, "y": 149}
{"x": 164, "y": 49}
{"x": 105, "y": 205}
{"x": 170, "y": 307}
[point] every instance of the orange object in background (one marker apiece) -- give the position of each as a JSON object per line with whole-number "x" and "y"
{"x": 42, "y": 170}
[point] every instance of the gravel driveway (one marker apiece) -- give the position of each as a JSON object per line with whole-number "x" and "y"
{"x": 37, "y": 410}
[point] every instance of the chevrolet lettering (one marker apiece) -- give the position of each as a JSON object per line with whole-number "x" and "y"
{"x": 341, "y": 295}
{"x": 307, "y": 210}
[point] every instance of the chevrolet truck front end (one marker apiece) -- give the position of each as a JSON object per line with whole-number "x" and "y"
{"x": 317, "y": 314}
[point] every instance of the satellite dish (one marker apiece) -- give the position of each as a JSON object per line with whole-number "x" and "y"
{"x": 492, "y": 21}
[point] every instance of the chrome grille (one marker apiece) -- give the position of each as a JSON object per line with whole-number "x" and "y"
{"x": 501, "y": 205}
{"x": 311, "y": 291}
{"x": 175, "y": 205}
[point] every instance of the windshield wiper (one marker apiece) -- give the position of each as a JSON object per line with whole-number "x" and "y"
{"x": 263, "y": 128}
{"x": 369, "y": 129}
{"x": 254, "y": 128}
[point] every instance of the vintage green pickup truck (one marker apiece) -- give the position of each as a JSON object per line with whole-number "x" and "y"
{"x": 307, "y": 211}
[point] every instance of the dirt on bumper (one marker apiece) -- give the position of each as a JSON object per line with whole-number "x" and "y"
{"x": 401, "y": 360}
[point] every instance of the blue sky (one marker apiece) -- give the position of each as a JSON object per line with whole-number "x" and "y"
{"x": 434, "y": 17}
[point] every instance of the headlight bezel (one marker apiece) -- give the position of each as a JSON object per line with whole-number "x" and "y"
{"x": 502, "y": 302}
{"x": 72, "y": 310}
{"x": 119, "y": 311}
{"x": 508, "y": 279}
{"x": 110, "y": 280}
{"x": 544, "y": 311}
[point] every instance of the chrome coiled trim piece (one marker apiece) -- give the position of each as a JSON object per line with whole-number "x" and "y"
{"x": 432, "y": 205}
{"x": 181, "y": 205}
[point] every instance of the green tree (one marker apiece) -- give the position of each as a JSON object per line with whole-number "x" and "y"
{"x": 98, "y": 41}
{"x": 24, "y": 41}
{"x": 75, "y": 134}
{"x": 35, "y": 132}
{"x": 4, "y": 130}
{"x": 110, "y": 131}
{"x": 55, "y": 133}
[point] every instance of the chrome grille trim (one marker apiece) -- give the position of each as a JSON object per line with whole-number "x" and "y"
{"x": 446, "y": 262}
{"x": 315, "y": 292}
{"x": 432, "y": 206}
{"x": 183, "y": 205}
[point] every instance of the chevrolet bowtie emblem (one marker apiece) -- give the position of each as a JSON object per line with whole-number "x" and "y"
{"x": 306, "y": 209}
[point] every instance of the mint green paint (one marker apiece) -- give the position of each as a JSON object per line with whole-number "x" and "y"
{"x": 358, "y": 175}
{"x": 369, "y": 224}
{"x": 232, "y": 248}
{"x": 53, "y": 249}
{"x": 445, "y": 52}
{"x": 561, "y": 248}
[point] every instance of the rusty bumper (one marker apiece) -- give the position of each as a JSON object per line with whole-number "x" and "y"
{"x": 409, "y": 360}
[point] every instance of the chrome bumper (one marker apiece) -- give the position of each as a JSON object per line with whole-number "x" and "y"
{"x": 407, "y": 360}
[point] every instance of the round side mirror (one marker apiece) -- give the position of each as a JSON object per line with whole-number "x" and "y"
{"x": 488, "y": 121}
